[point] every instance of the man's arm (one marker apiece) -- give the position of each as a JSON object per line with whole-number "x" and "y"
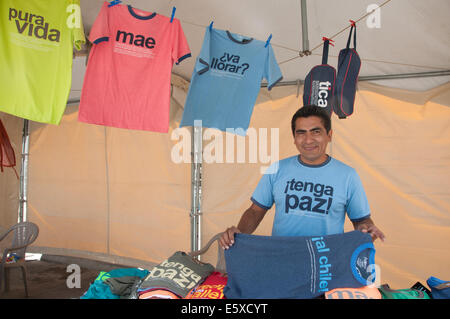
{"x": 247, "y": 225}
{"x": 367, "y": 226}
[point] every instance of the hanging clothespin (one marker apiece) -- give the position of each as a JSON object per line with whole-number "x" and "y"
{"x": 211, "y": 26}
{"x": 353, "y": 23}
{"x": 113, "y": 3}
{"x": 173, "y": 14}
{"x": 329, "y": 40}
{"x": 268, "y": 40}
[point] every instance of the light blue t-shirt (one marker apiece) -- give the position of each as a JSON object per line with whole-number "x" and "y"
{"x": 311, "y": 200}
{"x": 226, "y": 81}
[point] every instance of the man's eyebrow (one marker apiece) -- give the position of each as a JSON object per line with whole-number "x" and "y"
{"x": 313, "y": 129}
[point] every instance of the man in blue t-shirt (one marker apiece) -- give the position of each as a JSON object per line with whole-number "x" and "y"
{"x": 312, "y": 191}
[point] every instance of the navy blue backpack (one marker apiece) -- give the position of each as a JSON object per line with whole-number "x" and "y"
{"x": 349, "y": 65}
{"x": 320, "y": 83}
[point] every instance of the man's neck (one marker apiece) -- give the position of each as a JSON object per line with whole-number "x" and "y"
{"x": 319, "y": 162}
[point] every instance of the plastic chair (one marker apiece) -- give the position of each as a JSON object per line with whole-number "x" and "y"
{"x": 23, "y": 234}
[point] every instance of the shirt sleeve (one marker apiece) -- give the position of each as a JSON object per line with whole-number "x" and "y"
{"x": 202, "y": 63}
{"x": 76, "y": 24}
{"x": 357, "y": 204}
{"x": 272, "y": 72}
{"x": 100, "y": 30}
{"x": 180, "y": 49}
{"x": 263, "y": 194}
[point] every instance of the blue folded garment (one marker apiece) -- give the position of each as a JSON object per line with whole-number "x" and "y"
{"x": 100, "y": 289}
{"x": 275, "y": 267}
{"x": 440, "y": 289}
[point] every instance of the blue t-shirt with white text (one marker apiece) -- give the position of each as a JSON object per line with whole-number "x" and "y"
{"x": 311, "y": 200}
{"x": 226, "y": 81}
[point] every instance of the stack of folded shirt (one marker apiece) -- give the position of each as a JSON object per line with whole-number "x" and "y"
{"x": 174, "y": 278}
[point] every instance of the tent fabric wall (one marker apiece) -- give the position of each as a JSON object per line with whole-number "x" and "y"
{"x": 399, "y": 143}
{"x": 107, "y": 190}
{"x": 115, "y": 192}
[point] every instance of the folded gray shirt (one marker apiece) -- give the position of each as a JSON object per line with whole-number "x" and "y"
{"x": 178, "y": 274}
{"x": 122, "y": 286}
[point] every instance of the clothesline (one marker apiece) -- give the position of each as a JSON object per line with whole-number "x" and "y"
{"x": 338, "y": 33}
{"x": 356, "y": 21}
{"x": 389, "y": 62}
{"x": 84, "y": 52}
{"x": 332, "y": 37}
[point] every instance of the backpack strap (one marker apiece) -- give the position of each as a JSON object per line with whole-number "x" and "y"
{"x": 350, "y": 37}
{"x": 326, "y": 45}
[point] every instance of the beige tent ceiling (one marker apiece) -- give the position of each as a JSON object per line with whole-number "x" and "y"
{"x": 409, "y": 36}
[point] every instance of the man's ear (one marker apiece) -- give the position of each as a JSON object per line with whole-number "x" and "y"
{"x": 330, "y": 134}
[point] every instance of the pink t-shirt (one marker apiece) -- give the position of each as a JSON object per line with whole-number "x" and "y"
{"x": 127, "y": 80}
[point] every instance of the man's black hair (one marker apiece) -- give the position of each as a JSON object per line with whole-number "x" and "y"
{"x": 312, "y": 110}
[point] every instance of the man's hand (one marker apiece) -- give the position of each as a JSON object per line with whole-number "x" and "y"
{"x": 227, "y": 238}
{"x": 247, "y": 225}
{"x": 367, "y": 226}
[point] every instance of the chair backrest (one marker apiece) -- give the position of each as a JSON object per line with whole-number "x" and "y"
{"x": 220, "y": 266}
{"x": 24, "y": 234}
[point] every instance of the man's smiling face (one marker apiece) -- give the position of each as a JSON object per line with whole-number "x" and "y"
{"x": 311, "y": 139}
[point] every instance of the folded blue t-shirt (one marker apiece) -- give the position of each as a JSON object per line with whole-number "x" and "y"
{"x": 99, "y": 289}
{"x": 287, "y": 267}
{"x": 440, "y": 289}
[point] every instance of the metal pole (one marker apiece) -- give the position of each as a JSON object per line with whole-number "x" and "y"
{"x": 196, "y": 185}
{"x": 379, "y": 77}
{"x": 305, "y": 40}
{"x": 405, "y": 75}
{"x": 23, "y": 201}
{"x": 361, "y": 78}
